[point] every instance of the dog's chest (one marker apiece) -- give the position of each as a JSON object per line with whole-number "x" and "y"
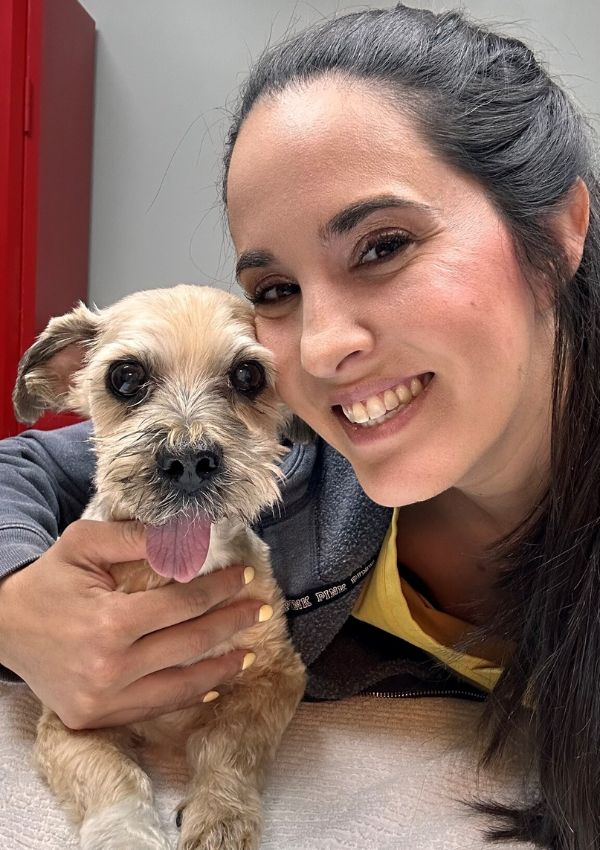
{"x": 135, "y": 576}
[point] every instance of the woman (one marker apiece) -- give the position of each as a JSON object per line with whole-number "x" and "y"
{"x": 415, "y": 214}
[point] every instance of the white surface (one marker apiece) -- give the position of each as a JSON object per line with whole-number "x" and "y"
{"x": 374, "y": 774}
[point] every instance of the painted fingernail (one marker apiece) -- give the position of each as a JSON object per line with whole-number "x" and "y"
{"x": 249, "y": 659}
{"x": 248, "y": 575}
{"x": 210, "y": 696}
{"x": 265, "y": 612}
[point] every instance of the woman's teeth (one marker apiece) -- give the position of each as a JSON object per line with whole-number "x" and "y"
{"x": 379, "y": 408}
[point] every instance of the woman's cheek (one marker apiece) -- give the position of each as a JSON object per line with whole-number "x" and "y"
{"x": 287, "y": 358}
{"x": 266, "y": 335}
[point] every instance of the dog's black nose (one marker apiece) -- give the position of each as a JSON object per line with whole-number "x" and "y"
{"x": 189, "y": 471}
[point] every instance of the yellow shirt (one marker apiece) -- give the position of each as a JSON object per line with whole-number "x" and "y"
{"x": 390, "y": 603}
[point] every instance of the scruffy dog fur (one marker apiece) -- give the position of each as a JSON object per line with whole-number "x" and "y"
{"x": 187, "y": 430}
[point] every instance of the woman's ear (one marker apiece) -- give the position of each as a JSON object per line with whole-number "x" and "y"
{"x": 571, "y": 223}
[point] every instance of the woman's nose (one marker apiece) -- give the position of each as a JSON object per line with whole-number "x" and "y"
{"x": 332, "y": 336}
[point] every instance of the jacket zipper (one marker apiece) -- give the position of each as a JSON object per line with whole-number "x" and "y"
{"x": 415, "y": 694}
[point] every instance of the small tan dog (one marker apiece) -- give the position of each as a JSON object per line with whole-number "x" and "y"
{"x": 186, "y": 432}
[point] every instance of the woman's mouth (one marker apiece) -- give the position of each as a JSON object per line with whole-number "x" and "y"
{"x": 383, "y": 406}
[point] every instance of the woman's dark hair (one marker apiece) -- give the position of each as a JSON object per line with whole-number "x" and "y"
{"x": 486, "y": 106}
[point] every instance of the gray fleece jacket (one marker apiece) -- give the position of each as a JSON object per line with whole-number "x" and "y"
{"x": 324, "y": 538}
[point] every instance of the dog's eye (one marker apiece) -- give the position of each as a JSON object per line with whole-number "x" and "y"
{"x": 248, "y": 377}
{"x": 126, "y": 378}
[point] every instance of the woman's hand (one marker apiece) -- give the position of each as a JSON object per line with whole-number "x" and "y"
{"x": 100, "y": 657}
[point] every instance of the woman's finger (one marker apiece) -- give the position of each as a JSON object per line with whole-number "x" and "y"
{"x": 92, "y": 543}
{"x": 188, "y": 641}
{"x": 152, "y": 610}
{"x": 171, "y": 690}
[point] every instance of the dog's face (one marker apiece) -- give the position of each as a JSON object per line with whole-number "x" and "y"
{"x": 186, "y": 419}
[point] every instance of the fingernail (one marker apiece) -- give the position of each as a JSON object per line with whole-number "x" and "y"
{"x": 265, "y": 612}
{"x": 210, "y": 696}
{"x": 248, "y": 575}
{"x": 249, "y": 659}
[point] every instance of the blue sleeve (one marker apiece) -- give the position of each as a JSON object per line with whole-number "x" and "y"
{"x": 45, "y": 483}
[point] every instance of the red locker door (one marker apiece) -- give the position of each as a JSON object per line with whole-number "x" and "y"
{"x": 13, "y": 33}
{"x": 47, "y": 52}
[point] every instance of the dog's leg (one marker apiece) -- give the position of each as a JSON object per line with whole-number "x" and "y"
{"x": 104, "y": 789}
{"x": 230, "y": 754}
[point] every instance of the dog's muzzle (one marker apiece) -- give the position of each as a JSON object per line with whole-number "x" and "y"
{"x": 190, "y": 471}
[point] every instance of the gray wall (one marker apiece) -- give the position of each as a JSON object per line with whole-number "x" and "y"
{"x": 166, "y": 71}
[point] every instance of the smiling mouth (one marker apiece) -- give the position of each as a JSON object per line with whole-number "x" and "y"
{"x": 377, "y": 409}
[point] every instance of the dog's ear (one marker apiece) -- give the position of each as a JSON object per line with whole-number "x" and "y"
{"x": 46, "y": 370}
{"x": 295, "y": 430}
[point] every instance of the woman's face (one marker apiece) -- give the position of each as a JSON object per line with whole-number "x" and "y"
{"x": 377, "y": 269}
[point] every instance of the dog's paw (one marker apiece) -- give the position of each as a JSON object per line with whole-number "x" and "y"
{"x": 222, "y": 831}
{"x": 123, "y": 826}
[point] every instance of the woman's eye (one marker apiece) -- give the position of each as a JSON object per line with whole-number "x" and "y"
{"x": 272, "y": 293}
{"x": 383, "y": 246}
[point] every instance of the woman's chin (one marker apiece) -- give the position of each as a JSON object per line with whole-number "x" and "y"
{"x": 393, "y": 491}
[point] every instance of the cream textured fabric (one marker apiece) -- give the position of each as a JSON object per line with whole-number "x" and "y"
{"x": 368, "y": 773}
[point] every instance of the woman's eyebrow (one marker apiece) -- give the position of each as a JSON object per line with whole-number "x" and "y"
{"x": 349, "y": 217}
{"x": 252, "y": 260}
{"x": 341, "y": 223}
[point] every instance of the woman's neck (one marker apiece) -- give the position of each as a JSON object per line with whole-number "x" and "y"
{"x": 444, "y": 542}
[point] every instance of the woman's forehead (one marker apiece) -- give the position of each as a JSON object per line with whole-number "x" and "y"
{"x": 323, "y": 124}
{"x": 311, "y": 151}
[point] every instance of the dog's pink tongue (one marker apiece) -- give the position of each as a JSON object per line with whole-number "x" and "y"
{"x": 178, "y": 549}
